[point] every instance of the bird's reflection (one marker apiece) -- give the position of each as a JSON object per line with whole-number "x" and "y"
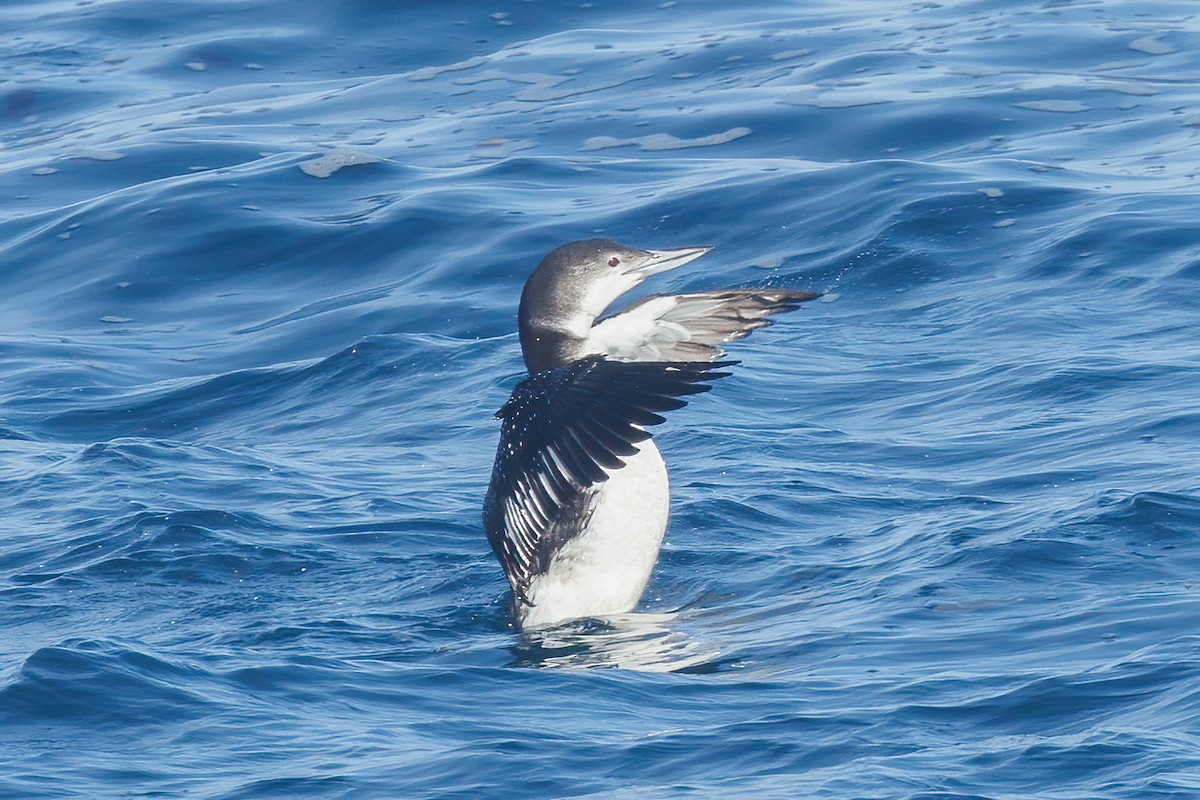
{"x": 645, "y": 642}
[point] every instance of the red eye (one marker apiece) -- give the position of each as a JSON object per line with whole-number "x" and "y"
{"x": 612, "y": 262}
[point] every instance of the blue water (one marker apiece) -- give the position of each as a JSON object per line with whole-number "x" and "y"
{"x": 939, "y": 537}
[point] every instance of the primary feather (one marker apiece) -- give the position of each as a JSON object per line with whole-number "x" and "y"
{"x": 689, "y": 327}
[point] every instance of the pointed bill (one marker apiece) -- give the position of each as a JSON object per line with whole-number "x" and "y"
{"x": 663, "y": 260}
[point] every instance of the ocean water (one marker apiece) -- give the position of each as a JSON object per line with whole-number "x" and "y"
{"x": 937, "y": 539}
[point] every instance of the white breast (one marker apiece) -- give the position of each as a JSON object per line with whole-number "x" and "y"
{"x": 605, "y": 569}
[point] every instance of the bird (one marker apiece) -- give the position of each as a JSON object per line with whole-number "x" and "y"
{"x": 578, "y": 500}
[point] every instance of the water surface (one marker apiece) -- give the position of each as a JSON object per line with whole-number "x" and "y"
{"x": 259, "y": 266}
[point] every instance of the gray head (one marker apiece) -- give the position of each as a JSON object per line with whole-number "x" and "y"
{"x": 573, "y": 285}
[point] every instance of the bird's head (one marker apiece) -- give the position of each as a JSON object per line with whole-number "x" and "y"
{"x": 581, "y": 279}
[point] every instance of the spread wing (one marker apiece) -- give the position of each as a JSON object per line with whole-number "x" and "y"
{"x": 562, "y": 430}
{"x": 689, "y": 327}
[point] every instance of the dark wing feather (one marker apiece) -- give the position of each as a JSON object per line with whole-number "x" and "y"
{"x": 562, "y": 430}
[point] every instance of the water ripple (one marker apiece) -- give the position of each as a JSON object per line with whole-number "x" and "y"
{"x": 933, "y": 539}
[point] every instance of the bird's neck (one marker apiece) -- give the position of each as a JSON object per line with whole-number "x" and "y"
{"x": 556, "y": 316}
{"x": 548, "y": 345}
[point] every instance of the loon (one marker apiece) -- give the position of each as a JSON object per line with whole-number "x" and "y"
{"x": 578, "y": 500}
